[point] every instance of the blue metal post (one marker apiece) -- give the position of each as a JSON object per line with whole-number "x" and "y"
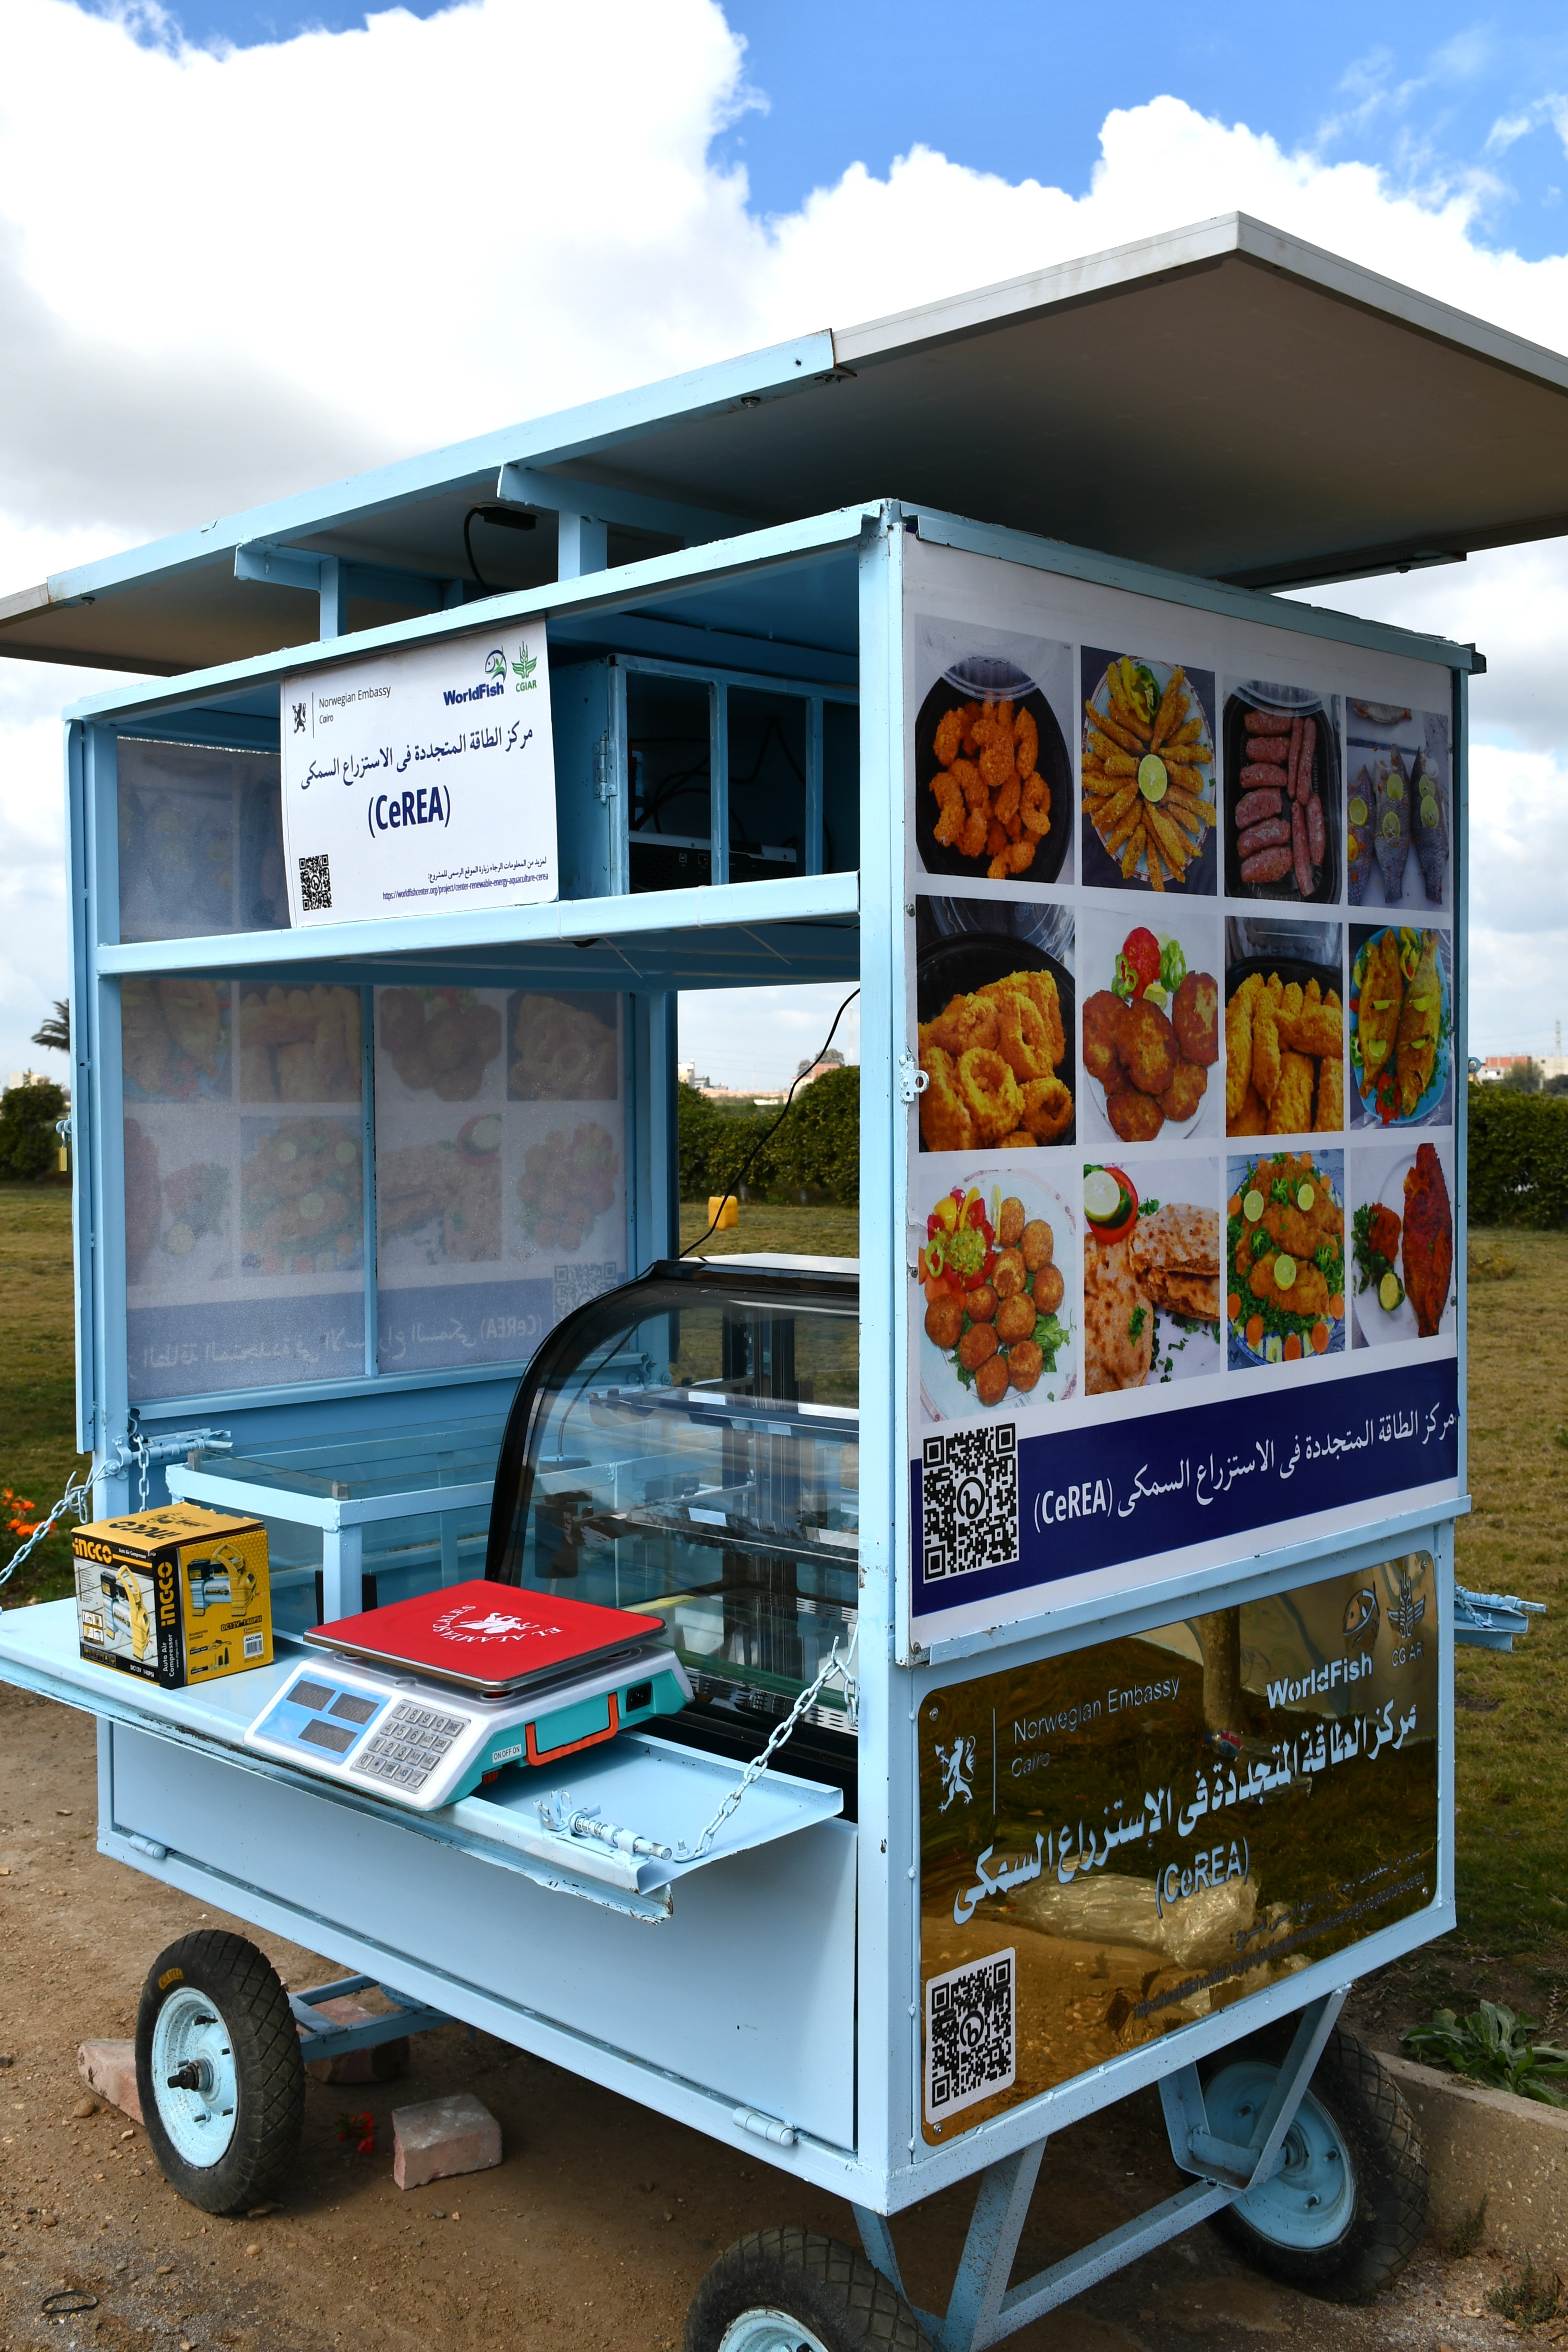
{"x": 582, "y": 545}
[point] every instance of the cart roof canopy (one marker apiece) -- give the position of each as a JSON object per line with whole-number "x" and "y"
{"x": 1223, "y": 400}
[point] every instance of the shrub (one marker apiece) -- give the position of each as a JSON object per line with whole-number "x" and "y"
{"x": 816, "y": 1147}
{"x": 1517, "y": 1158}
{"x": 28, "y": 1144}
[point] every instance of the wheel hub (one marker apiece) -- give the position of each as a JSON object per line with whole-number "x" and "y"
{"x": 193, "y": 2077}
{"x": 1309, "y": 2198}
{"x": 768, "y": 2331}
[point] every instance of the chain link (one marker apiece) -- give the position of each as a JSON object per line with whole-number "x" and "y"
{"x": 78, "y": 1497}
{"x": 759, "y": 1764}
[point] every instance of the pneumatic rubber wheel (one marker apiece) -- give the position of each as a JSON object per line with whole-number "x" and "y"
{"x": 794, "y": 2290}
{"x": 1346, "y": 2210}
{"x": 220, "y": 2071}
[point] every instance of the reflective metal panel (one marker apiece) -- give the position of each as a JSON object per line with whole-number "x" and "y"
{"x": 1117, "y": 1842}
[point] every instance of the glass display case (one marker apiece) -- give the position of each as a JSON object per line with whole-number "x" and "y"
{"x": 689, "y": 1445}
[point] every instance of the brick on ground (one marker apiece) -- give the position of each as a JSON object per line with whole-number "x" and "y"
{"x": 441, "y": 2137}
{"x": 110, "y": 2069}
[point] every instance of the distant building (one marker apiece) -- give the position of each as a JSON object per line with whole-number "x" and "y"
{"x": 1498, "y": 1066}
{"x": 806, "y": 1071}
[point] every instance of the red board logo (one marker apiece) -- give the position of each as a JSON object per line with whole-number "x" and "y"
{"x": 466, "y": 1625}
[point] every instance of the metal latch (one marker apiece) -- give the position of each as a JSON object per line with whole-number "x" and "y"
{"x": 912, "y": 1080}
{"x": 604, "y": 770}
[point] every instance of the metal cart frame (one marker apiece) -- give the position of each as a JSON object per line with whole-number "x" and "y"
{"x": 832, "y": 1908}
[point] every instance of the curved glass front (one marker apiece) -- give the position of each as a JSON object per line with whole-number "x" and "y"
{"x": 689, "y": 1445}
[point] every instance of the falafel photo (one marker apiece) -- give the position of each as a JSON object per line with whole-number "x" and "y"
{"x": 1151, "y": 1026}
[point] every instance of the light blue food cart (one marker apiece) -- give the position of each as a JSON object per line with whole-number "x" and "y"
{"x": 1085, "y": 1513}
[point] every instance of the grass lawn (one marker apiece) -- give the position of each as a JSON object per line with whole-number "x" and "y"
{"x": 1512, "y": 1940}
{"x": 38, "y": 1376}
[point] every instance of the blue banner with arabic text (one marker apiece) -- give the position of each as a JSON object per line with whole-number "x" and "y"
{"x": 1091, "y": 1498}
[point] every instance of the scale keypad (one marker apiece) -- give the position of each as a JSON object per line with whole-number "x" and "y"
{"x": 411, "y": 1742}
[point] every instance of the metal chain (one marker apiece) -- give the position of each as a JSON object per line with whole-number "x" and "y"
{"x": 759, "y": 1764}
{"x": 78, "y": 1497}
{"x": 140, "y": 1445}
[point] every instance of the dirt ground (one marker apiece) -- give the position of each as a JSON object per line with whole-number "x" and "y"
{"x": 593, "y": 2231}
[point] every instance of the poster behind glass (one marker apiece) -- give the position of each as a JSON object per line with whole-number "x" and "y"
{"x": 500, "y": 1169}
{"x": 244, "y": 1184}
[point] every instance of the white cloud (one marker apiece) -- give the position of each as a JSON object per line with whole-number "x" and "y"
{"x": 224, "y": 275}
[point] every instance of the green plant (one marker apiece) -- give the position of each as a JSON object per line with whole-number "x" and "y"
{"x": 1492, "y": 2045}
{"x": 1530, "y": 2299}
{"x": 28, "y": 1144}
{"x": 1517, "y": 1158}
{"x": 1466, "y": 2235}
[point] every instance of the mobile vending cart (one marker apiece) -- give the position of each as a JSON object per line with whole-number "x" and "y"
{"x": 1091, "y": 1540}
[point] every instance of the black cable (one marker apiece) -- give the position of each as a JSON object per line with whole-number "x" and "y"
{"x": 468, "y": 548}
{"x": 734, "y": 1190}
{"x": 504, "y": 518}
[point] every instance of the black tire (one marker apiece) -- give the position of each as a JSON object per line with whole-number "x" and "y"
{"x": 243, "y": 1993}
{"x": 1377, "y": 2131}
{"x": 834, "y": 2292}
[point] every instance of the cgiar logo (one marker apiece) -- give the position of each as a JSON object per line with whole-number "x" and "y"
{"x": 524, "y": 667}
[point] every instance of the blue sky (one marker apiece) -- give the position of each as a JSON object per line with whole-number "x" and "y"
{"x": 1432, "y": 94}
{"x": 155, "y": 376}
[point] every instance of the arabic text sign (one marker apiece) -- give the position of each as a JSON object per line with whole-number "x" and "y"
{"x": 1117, "y": 1842}
{"x": 1119, "y": 1492}
{"x": 420, "y": 781}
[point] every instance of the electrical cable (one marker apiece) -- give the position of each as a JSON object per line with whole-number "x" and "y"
{"x": 789, "y": 1099}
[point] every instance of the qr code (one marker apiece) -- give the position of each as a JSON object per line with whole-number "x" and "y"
{"x": 971, "y": 2034}
{"x": 575, "y": 1285}
{"x": 968, "y": 1500}
{"x": 316, "y": 883}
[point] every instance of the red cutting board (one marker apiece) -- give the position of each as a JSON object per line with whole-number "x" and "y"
{"x": 492, "y": 1637}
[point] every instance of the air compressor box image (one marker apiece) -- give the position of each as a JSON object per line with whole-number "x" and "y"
{"x": 176, "y": 1595}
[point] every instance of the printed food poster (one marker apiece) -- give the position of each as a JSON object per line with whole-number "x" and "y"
{"x": 1401, "y": 1026}
{"x": 1284, "y": 1027}
{"x": 1186, "y": 1059}
{"x": 500, "y": 1183}
{"x": 993, "y": 796}
{"x": 1117, "y": 1842}
{"x": 1402, "y": 1245}
{"x": 1399, "y": 805}
{"x": 1151, "y": 1042}
{"x": 1149, "y": 774}
{"x": 1285, "y": 1256}
{"x": 1151, "y": 1273}
{"x": 997, "y": 1266}
{"x": 1283, "y": 805}
{"x": 995, "y": 1006}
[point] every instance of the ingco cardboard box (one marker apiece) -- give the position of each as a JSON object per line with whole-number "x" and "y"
{"x": 178, "y": 1595}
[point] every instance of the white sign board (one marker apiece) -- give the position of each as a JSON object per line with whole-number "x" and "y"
{"x": 416, "y": 783}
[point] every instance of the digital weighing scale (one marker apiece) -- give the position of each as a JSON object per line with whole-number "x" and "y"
{"x": 425, "y": 1698}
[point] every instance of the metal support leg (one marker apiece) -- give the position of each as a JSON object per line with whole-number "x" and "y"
{"x": 877, "y": 2240}
{"x": 343, "y": 1553}
{"x": 984, "y": 2308}
{"x": 1194, "y": 2146}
